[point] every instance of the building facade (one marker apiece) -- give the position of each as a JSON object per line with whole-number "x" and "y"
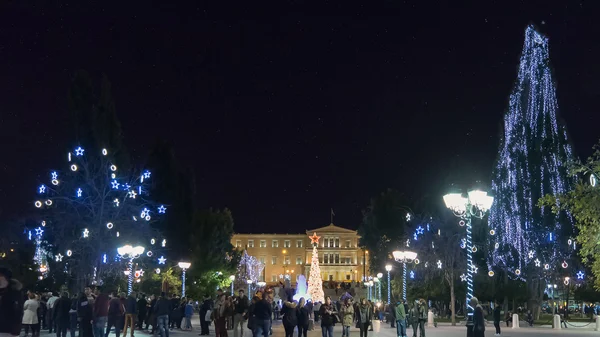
{"x": 340, "y": 257}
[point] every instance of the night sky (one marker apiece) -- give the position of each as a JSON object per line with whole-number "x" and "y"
{"x": 287, "y": 110}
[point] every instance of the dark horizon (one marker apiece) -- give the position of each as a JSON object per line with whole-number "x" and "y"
{"x": 288, "y": 115}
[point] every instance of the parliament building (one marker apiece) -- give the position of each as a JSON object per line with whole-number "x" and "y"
{"x": 340, "y": 257}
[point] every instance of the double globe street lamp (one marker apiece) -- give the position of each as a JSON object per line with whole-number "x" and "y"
{"x": 404, "y": 257}
{"x": 476, "y": 204}
{"x": 131, "y": 253}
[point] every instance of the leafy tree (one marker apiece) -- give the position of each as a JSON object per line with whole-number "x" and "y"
{"x": 383, "y": 227}
{"x": 583, "y": 204}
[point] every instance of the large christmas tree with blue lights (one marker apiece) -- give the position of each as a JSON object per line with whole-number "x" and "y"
{"x": 527, "y": 241}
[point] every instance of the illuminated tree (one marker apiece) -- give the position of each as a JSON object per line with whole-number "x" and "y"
{"x": 249, "y": 268}
{"x": 528, "y": 241}
{"x": 315, "y": 282}
{"x": 88, "y": 210}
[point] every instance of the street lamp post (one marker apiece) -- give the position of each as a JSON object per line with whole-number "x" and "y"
{"x": 131, "y": 253}
{"x": 476, "y": 204}
{"x": 404, "y": 257}
{"x": 379, "y": 276}
{"x": 184, "y": 266}
{"x": 371, "y": 290}
{"x": 388, "y": 268}
{"x": 249, "y": 282}
{"x": 232, "y": 278}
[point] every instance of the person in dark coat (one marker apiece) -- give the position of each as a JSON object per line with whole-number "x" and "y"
{"x": 150, "y": 316}
{"x": 303, "y": 315}
{"x": 478, "y": 318}
{"x": 11, "y": 304}
{"x": 290, "y": 317}
{"x": 497, "y": 319}
{"x": 204, "y": 308}
{"x": 142, "y": 306}
{"x": 73, "y": 316}
{"x": 84, "y": 316}
{"x": 130, "y": 314}
{"x": 62, "y": 317}
{"x": 116, "y": 312}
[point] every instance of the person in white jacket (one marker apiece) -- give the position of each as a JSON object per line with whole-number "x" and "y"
{"x": 30, "y": 317}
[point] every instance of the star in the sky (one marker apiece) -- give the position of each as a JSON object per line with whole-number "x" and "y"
{"x": 439, "y": 264}
{"x": 314, "y": 238}
{"x": 530, "y": 254}
{"x": 463, "y": 278}
{"x": 86, "y": 233}
{"x": 42, "y": 189}
{"x": 420, "y": 230}
{"x": 54, "y": 175}
{"x": 115, "y": 184}
{"x": 537, "y": 262}
{"x": 162, "y": 260}
{"x": 39, "y": 231}
{"x": 580, "y": 275}
{"x": 131, "y": 194}
{"x": 58, "y": 257}
{"x": 162, "y": 209}
{"x": 79, "y": 151}
{"x": 79, "y": 191}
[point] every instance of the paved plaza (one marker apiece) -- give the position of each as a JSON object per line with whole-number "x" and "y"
{"x": 384, "y": 330}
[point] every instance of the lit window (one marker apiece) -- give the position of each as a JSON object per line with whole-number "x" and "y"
{"x": 286, "y": 260}
{"x": 347, "y": 243}
{"x": 274, "y": 260}
{"x": 298, "y": 259}
{"x": 263, "y": 243}
{"x": 262, "y": 260}
{"x": 275, "y": 244}
{"x": 238, "y": 243}
{"x": 287, "y": 244}
{"x": 299, "y": 244}
{"x": 273, "y": 278}
{"x": 250, "y": 243}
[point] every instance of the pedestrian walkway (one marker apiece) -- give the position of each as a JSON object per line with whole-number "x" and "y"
{"x": 380, "y": 330}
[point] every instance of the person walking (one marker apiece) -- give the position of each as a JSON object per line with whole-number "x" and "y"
{"x": 205, "y": 309}
{"x": 30, "y": 316}
{"x": 130, "y": 314}
{"x": 326, "y": 314}
{"x": 11, "y": 304}
{"x": 73, "y": 316}
{"x": 347, "y": 313}
{"x": 100, "y": 312}
{"x": 52, "y": 298}
{"x": 400, "y": 317}
{"x": 497, "y": 314}
{"x": 220, "y": 315}
{"x": 116, "y": 311}
{"x": 413, "y": 317}
{"x": 189, "y": 311}
{"x": 142, "y": 306}
{"x": 303, "y": 315}
{"x": 240, "y": 312}
{"x": 478, "y": 318}
{"x": 61, "y": 316}
{"x": 150, "y": 316}
{"x": 421, "y": 316}
{"x": 262, "y": 314}
{"x": 84, "y": 315}
{"x": 250, "y": 315}
{"x": 162, "y": 309}
{"x": 290, "y": 317}
{"x": 316, "y": 310}
{"x": 364, "y": 317}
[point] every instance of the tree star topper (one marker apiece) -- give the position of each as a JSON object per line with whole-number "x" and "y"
{"x": 314, "y": 238}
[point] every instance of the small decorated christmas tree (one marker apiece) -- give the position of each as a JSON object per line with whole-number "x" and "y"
{"x": 315, "y": 283}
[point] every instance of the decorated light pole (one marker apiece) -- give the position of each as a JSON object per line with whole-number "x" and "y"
{"x": 388, "y": 268}
{"x": 475, "y": 205}
{"x": 129, "y": 252}
{"x": 249, "y": 287}
{"x": 184, "y": 266}
{"x": 232, "y": 278}
{"x": 404, "y": 257}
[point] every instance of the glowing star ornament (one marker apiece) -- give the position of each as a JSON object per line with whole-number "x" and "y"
{"x": 463, "y": 278}
{"x": 412, "y": 274}
{"x": 39, "y": 231}
{"x": 439, "y": 264}
{"x": 420, "y": 230}
{"x": 146, "y": 174}
{"x": 131, "y": 194}
{"x": 314, "y": 238}
{"x": 530, "y": 254}
{"x": 79, "y": 191}
{"x": 42, "y": 189}
{"x": 58, "y": 258}
{"x": 79, "y": 151}
{"x": 474, "y": 269}
{"x": 162, "y": 209}
{"x": 580, "y": 275}
{"x": 537, "y": 262}
{"x": 116, "y": 202}
{"x": 86, "y": 233}
{"x": 115, "y": 184}
{"x": 144, "y": 213}
{"x": 54, "y": 175}
{"x": 162, "y": 260}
